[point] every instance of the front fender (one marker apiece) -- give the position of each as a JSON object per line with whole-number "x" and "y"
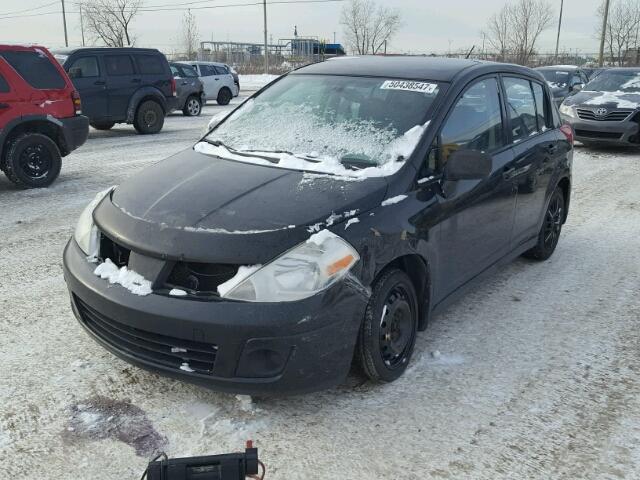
{"x": 147, "y": 92}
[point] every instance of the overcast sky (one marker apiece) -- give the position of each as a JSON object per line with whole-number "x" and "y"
{"x": 428, "y": 25}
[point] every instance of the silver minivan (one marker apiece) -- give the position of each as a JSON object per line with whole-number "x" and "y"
{"x": 217, "y": 80}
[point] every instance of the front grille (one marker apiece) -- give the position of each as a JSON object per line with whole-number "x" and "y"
{"x": 148, "y": 346}
{"x": 200, "y": 278}
{"x": 612, "y": 116}
{"x": 602, "y": 135}
{"x": 114, "y": 252}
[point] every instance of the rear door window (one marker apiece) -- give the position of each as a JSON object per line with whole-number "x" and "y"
{"x": 542, "y": 113}
{"x": 149, "y": 64}
{"x": 521, "y": 108}
{"x": 475, "y": 122}
{"x": 118, "y": 65}
{"x": 188, "y": 72}
{"x": 84, "y": 67}
{"x": 36, "y": 69}
{"x": 221, "y": 70}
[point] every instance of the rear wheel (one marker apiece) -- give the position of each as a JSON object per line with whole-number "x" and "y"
{"x": 551, "y": 228}
{"x": 192, "y": 107}
{"x": 149, "y": 117}
{"x": 224, "y": 96}
{"x": 103, "y": 125}
{"x": 33, "y": 160}
{"x": 390, "y": 327}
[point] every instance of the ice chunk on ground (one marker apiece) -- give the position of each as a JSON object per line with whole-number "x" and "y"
{"x": 132, "y": 281}
{"x": 242, "y": 274}
{"x": 392, "y": 200}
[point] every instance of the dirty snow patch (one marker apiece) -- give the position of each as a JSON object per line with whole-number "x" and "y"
{"x": 242, "y": 274}
{"x": 392, "y": 200}
{"x": 132, "y": 281}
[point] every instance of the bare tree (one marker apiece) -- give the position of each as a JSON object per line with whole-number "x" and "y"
{"x": 190, "y": 35}
{"x": 515, "y": 30}
{"x": 109, "y": 21}
{"x": 368, "y": 26}
{"x": 621, "y": 34}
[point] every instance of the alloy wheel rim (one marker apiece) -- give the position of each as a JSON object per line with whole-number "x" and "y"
{"x": 396, "y": 328}
{"x": 553, "y": 223}
{"x": 36, "y": 161}
{"x": 193, "y": 107}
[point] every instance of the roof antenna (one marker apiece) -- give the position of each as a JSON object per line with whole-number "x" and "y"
{"x": 470, "y": 51}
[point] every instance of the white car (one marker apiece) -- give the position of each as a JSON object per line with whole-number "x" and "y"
{"x": 217, "y": 80}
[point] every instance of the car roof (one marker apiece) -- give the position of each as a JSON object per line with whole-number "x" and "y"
{"x": 624, "y": 69}
{"x": 200, "y": 62}
{"x": 409, "y": 67}
{"x": 72, "y": 50}
{"x": 558, "y": 67}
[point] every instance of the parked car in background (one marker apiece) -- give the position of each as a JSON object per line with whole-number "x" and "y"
{"x": 324, "y": 223}
{"x": 607, "y": 109}
{"x": 217, "y": 80}
{"x": 40, "y": 116}
{"x": 121, "y": 85}
{"x": 191, "y": 96}
{"x": 563, "y": 80}
{"x": 593, "y": 72}
{"x": 236, "y": 79}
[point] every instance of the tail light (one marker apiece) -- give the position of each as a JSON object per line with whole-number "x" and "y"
{"x": 77, "y": 103}
{"x": 568, "y": 132}
{"x": 174, "y": 91}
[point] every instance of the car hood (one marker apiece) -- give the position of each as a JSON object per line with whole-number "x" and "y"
{"x": 610, "y": 100}
{"x": 203, "y": 208}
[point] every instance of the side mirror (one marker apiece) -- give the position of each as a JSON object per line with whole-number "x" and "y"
{"x": 75, "y": 72}
{"x": 467, "y": 165}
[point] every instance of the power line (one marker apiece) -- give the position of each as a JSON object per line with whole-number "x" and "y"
{"x": 31, "y": 9}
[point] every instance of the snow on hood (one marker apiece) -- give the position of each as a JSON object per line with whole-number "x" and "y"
{"x": 618, "y": 99}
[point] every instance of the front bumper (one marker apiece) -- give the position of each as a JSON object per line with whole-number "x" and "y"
{"x": 251, "y": 348}
{"x": 75, "y": 131}
{"x": 599, "y": 131}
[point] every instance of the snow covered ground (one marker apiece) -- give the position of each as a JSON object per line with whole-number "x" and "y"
{"x": 534, "y": 375}
{"x": 255, "y": 82}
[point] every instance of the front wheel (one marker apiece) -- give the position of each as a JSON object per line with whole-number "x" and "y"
{"x": 388, "y": 333}
{"x": 224, "y": 96}
{"x": 149, "y": 118}
{"x": 33, "y": 160}
{"x": 551, "y": 228}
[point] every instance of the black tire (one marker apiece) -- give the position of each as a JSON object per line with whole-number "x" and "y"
{"x": 388, "y": 333}
{"x": 224, "y": 96}
{"x": 149, "y": 117}
{"x": 192, "y": 107}
{"x": 551, "y": 228}
{"x": 103, "y": 125}
{"x": 33, "y": 160}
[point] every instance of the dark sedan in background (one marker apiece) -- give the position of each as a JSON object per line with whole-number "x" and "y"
{"x": 563, "y": 80}
{"x": 606, "y": 110}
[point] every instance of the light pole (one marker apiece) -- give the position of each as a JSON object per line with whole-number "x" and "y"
{"x": 266, "y": 46}
{"x": 603, "y": 33}
{"x": 64, "y": 22}
{"x": 81, "y": 25}
{"x": 559, "y": 25}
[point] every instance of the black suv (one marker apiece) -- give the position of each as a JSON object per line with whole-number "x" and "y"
{"x": 121, "y": 85}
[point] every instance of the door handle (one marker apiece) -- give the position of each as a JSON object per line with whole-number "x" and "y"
{"x": 4, "y": 105}
{"x": 217, "y": 78}
{"x": 99, "y": 82}
{"x": 136, "y": 80}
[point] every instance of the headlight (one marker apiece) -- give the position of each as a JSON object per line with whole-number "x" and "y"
{"x": 299, "y": 273}
{"x": 86, "y": 234}
{"x": 567, "y": 110}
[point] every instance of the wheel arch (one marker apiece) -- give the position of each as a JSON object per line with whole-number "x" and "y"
{"x": 565, "y": 186}
{"x": 142, "y": 95}
{"x": 34, "y": 124}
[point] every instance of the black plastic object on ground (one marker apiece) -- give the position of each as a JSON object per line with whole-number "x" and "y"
{"x": 230, "y": 466}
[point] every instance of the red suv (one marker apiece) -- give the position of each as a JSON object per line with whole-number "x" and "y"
{"x": 40, "y": 116}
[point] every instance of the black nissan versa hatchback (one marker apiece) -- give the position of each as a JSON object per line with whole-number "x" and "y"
{"x": 324, "y": 220}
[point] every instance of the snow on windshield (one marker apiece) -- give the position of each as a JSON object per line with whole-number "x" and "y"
{"x": 349, "y": 126}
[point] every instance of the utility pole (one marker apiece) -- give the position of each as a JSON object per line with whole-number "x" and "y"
{"x": 266, "y": 46}
{"x": 605, "y": 17}
{"x": 64, "y": 22}
{"x": 559, "y": 25}
{"x": 81, "y": 25}
{"x": 334, "y": 37}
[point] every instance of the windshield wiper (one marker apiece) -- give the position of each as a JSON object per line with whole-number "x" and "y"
{"x": 286, "y": 152}
{"x": 243, "y": 153}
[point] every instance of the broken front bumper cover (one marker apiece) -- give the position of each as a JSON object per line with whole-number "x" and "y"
{"x": 250, "y": 348}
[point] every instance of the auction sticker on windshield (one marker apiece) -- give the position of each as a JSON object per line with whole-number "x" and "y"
{"x": 409, "y": 86}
